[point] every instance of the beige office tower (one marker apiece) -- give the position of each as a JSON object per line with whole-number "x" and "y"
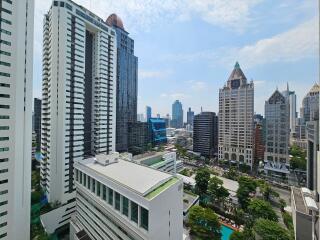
{"x": 236, "y": 109}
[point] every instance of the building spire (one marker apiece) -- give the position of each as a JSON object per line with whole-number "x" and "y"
{"x": 237, "y": 65}
{"x": 287, "y": 87}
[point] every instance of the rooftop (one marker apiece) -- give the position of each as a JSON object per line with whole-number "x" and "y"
{"x": 143, "y": 180}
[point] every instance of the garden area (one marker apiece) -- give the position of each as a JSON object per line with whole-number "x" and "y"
{"x": 253, "y": 217}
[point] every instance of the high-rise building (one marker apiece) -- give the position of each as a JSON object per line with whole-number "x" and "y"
{"x": 310, "y": 105}
{"x": 259, "y": 144}
{"x": 78, "y": 99}
{"x": 236, "y": 110}
{"x": 177, "y": 114}
{"x": 140, "y": 117}
{"x": 158, "y": 132}
{"x": 276, "y": 156}
{"x": 118, "y": 199}
{"x": 205, "y": 133}
{"x": 312, "y": 137}
{"x": 127, "y": 82}
{"x": 37, "y": 122}
{"x": 138, "y": 137}
{"x": 148, "y": 113}
{"x": 292, "y": 98}
{"x": 190, "y": 116}
{"x": 16, "y": 55}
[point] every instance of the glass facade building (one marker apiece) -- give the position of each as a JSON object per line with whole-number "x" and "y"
{"x": 157, "y": 128}
{"x": 127, "y": 82}
{"x": 177, "y": 114}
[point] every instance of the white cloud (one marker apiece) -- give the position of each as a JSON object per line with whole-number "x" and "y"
{"x": 153, "y": 74}
{"x": 197, "y": 85}
{"x": 300, "y": 42}
{"x": 175, "y": 96}
{"x": 297, "y": 43}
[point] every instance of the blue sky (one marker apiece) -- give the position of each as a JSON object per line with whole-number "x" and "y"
{"x": 187, "y": 49}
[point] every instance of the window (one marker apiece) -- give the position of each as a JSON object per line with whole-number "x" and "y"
{"x": 84, "y": 180}
{"x": 104, "y": 193}
{"x": 80, "y": 177}
{"x": 144, "y": 218}
{"x": 134, "y": 212}
{"x": 3, "y": 203}
{"x": 125, "y": 206}
{"x": 98, "y": 188}
{"x": 93, "y": 185}
{"x": 3, "y": 213}
{"x": 89, "y": 185}
{"x": 4, "y": 138}
{"x": 3, "y": 181}
{"x": 5, "y": 149}
{"x": 117, "y": 205}
{"x": 110, "y": 197}
{"x": 4, "y": 128}
{"x": 4, "y": 106}
{"x": 4, "y": 117}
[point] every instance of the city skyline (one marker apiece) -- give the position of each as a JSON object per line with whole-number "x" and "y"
{"x": 188, "y": 66}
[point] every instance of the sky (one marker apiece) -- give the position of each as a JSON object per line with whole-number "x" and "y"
{"x": 187, "y": 49}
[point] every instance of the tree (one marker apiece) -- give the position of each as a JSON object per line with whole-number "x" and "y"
{"x": 247, "y": 234}
{"x": 266, "y": 190}
{"x": 298, "y": 159}
{"x": 202, "y": 179}
{"x": 216, "y": 191}
{"x": 270, "y": 230}
{"x": 204, "y": 223}
{"x": 261, "y": 209}
{"x": 232, "y": 174}
{"x": 247, "y": 186}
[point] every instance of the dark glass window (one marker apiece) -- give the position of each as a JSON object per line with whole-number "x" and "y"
{"x": 144, "y": 218}
{"x": 134, "y": 212}
{"x": 110, "y": 197}
{"x": 117, "y": 203}
{"x": 125, "y": 206}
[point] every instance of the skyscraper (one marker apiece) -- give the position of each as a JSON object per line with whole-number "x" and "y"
{"x": 205, "y": 133}
{"x": 177, "y": 114}
{"x": 16, "y": 56}
{"x": 190, "y": 116}
{"x": 37, "y": 122}
{"x": 127, "y": 82}
{"x": 78, "y": 101}
{"x": 276, "y": 156}
{"x": 236, "y": 110}
{"x": 148, "y": 113}
{"x": 310, "y": 105}
{"x": 292, "y": 98}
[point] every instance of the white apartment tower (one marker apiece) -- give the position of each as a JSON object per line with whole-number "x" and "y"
{"x": 236, "y": 109}
{"x": 78, "y": 101}
{"x": 16, "y": 56}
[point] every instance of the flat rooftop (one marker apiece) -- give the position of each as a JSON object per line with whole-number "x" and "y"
{"x": 189, "y": 200}
{"x": 231, "y": 185}
{"x": 138, "y": 178}
{"x": 298, "y": 200}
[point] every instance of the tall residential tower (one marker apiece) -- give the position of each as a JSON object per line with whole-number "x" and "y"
{"x": 16, "y": 64}
{"x": 236, "y": 110}
{"x": 78, "y": 98}
{"x": 127, "y": 82}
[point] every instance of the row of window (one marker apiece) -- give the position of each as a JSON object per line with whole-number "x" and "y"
{"x": 122, "y": 204}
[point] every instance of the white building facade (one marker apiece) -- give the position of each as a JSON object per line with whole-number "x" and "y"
{"x": 118, "y": 199}
{"x": 236, "y": 110}
{"x": 16, "y": 64}
{"x": 78, "y": 98}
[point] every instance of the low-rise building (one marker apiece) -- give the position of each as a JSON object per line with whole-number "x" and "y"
{"x": 164, "y": 161}
{"x": 302, "y": 206}
{"x": 118, "y": 199}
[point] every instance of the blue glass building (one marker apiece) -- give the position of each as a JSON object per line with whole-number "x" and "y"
{"x": 157, "y": 128}
{"x": 148, "y": 113}
{"x": 127, "y": 83}
{"x": 177, "y": 115}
